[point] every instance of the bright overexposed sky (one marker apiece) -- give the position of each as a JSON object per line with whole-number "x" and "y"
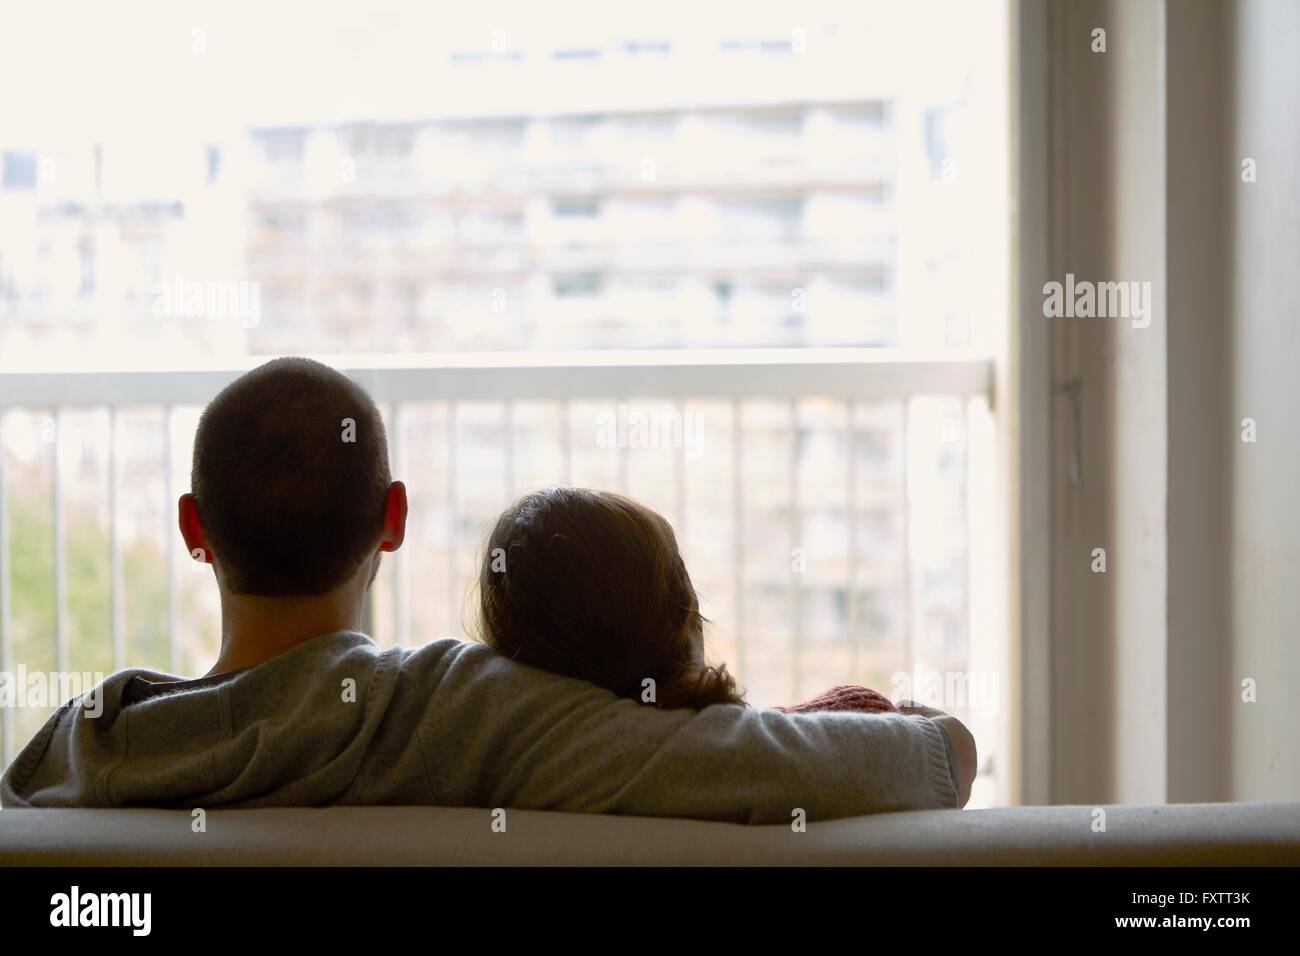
{"x": 91, "y": 69}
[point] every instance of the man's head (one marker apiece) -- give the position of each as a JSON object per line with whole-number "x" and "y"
{"x": 290, "y": 488}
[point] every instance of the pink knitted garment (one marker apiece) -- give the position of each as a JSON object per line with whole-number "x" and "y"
{"x": 845, "y": 697}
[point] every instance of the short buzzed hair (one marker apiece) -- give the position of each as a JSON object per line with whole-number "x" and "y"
{"x": 290, "y": 478}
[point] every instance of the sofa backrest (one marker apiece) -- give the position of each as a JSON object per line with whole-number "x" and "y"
{"x": 1187, "y": 834}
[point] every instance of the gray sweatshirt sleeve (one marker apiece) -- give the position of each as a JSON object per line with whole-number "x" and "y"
{"x": 546, "y": 742}
{"x": 750, "y": 766}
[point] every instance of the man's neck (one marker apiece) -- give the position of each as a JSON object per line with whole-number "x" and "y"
{"x": 256, "y": 629}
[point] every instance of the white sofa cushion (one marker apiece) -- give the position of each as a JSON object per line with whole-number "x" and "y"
{"x": 1199, "y": 834}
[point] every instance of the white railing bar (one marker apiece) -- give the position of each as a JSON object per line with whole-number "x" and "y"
{"x": 796, "y": 576}
{"x": 116, "y": 607}
{"x": 509, "y": 428}
{"x": 851, "y": 503}
{"x": 699, "y": 373}
{"x": 566, "y": 440}
{"x": 737, "y": 533}
{"x": 679, "y": 475}
{"x": 966, "y": 527}
{"x": 905, "y": 453}
{"x": 621, "y": 453}
{"x": 60, "y": 551}
{"x": 6, "y": 658}
{"x": 453, "y": 521}
{"x": 171, "y": 535}
{"x": 401, "y": 560}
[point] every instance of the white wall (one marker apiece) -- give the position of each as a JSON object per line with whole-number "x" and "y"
{"x": 1109, "y": 629}
{"x": 1198, "y": 177}
{"x": 1263, "y": 40}
{"x": 1201, "y": 531}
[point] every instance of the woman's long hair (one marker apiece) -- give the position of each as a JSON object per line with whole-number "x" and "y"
{"x": 591, "y": 584}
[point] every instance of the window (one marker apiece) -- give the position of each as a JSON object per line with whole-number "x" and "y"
{"x": 530, "y": 200}
{"x": 18, "y": 171}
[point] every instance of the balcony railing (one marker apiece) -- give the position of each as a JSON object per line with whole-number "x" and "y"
{"x": 823, "y": 502}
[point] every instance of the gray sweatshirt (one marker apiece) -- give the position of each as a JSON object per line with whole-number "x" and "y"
{"x": 337, "y": 720}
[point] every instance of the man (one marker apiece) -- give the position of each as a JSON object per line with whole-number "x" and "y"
{"x": 293, "y": 506}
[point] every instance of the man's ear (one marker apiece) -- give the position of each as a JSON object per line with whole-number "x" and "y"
{"x": 196, "y": 542}
{"x": 394, "y": 532}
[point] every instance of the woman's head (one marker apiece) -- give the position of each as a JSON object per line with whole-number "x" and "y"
{"x": 590, "y": 584}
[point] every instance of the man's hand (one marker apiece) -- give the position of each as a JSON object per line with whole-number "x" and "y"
{"x": 963, "y": 744}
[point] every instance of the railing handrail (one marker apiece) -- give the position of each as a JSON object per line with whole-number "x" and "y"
{"x": 848, "y": 375}
{"x": 859, "y": 373}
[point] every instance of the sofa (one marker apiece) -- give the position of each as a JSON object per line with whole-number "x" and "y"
{"x": 1181, "y": 834}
